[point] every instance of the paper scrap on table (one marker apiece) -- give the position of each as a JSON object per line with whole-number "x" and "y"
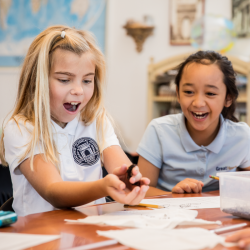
{"x": 186, "y": 203}
{"x": 174, "y": 239}
{"x": 158, "y": 219}
{"x": 18, "y": 241}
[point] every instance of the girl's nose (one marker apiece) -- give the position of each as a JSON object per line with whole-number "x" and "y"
{"x": 77, "y": 89}
{"x": 199, "y": 101}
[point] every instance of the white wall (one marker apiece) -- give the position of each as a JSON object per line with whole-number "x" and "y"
{"x": 8, "y": 90}
{"x": 126, "y": 96}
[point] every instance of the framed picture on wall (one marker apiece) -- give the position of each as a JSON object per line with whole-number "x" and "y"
{"x": 182, "y": 14}
{"x": 241, "y": 17}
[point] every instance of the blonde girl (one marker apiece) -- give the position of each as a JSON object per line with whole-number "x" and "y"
{"x": 59, "y": 133}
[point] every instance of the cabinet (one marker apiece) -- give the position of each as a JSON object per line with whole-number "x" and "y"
{"x": 161, "y": 95}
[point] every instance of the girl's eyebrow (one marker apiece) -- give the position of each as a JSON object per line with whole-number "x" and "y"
{"x": 64, "y": 73}
{"x": 208, "y": 85}
{"x": 187, "y": 84}
{"x": 71, "y": 74}
{"x": 212, "y": 86}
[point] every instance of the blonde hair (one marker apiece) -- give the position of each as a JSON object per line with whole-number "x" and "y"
{"x": 32, "y": 104}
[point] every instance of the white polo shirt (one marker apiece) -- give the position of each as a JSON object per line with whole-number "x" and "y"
{"x": 168, "y": 146}
{"x": 79, "y": 159}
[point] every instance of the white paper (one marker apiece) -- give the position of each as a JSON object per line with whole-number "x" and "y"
{"x": 18, "y": 241}
{"x": 174, "y": 239}
{"x": 159, "y": 219}
{"x": 186, "y": 203}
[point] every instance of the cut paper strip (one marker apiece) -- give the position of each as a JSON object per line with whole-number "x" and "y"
{"x": 174, "y": 239}
{"x": 186, "y": 203}
{"x": 158, "y": 219}
{"x": 18, "y": 241}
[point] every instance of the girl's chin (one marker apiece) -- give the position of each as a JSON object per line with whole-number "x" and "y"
{"x": 196, "y": 127}
{"x": 64, "y": 119}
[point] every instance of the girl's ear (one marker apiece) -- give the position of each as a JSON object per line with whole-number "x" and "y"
{"x": 228, "y": 101}
{"x": 177, "y": 94}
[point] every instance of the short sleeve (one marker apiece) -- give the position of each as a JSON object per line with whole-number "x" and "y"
{"x": 16, "y": 140}
{"x": 110, "y": 136}
{"x": 150, "y": 146}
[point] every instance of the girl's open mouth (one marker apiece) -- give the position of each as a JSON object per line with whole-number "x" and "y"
{"x": 71, "y": 106}
{"x": 199, "y": 115}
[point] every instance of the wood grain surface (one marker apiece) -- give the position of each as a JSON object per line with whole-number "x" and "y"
{"x": 72, "y": 235}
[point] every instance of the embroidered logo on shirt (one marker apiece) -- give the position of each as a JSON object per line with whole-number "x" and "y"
{"x": 85, "y": 151}
{"x": 225, "y": 168}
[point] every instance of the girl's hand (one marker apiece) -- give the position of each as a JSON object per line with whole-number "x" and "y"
{"x": 119, "y": 192}
{"x": 242, "y": 237}
{"x": 121, "y": 172}
{"x": 189, "y": 186}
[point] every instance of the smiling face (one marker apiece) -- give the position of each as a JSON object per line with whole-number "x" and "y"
{"x": 202, "y": 96}
{"x": 71, "y": 84}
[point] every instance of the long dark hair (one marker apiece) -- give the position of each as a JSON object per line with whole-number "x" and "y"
{"x": 211, "y": 57}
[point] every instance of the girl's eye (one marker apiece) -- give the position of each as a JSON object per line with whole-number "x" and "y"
{"x": 188, "y": 92}
{"x": 211, "y": 94}
{"x": 63, "y": 80}
{"x": 87, "y": 81}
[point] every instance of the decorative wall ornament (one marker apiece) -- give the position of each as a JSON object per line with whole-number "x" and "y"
{"x": 139, "y": 31}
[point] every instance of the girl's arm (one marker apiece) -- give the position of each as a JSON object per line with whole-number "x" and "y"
{"x": 114, "y": 156}
{"x": 47, "y": 181}
{"x": 116, "y": 162}
{"x": 152, "y": 172}
{"x": 243, "y": 169}
{"x": 149, "y": 170}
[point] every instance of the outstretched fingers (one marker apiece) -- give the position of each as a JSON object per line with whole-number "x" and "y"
{"x": 188, "y": 186}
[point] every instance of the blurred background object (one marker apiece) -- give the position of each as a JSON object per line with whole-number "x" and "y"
{"x": 213, "y": 33}
{"x": 241, "y": 17}
{"x": 182, "y": 14}
{"x": 22, "y": 21}
{"x": 139, "y": 31}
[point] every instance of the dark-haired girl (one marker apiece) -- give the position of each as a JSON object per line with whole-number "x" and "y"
{"x": 179, "y": 152}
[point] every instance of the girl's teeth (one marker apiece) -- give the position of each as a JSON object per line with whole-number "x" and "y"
{"x": 200, "y": 115}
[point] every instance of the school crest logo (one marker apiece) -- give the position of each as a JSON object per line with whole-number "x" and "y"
{"x": 85, "y": 151}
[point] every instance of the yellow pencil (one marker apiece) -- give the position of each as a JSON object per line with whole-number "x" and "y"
{"x": 214, "y": 177}
{"x": 144, "y": 205}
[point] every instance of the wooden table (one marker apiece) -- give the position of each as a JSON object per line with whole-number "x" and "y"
{"x": 73, "y": 235}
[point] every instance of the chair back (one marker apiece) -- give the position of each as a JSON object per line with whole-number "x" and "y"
{"x": 7, "y": 206}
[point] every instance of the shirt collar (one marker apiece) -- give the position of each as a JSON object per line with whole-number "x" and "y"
{"x": 189, "y": 145}
{"x": 70, "y": 127}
